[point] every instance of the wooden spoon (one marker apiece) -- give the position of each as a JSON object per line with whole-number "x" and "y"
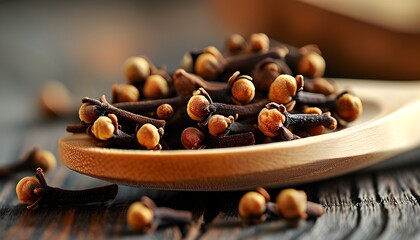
{"x": 389, "y": 126}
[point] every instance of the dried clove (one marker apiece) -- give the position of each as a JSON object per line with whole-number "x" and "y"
{"x": 210, "y": 63}
{"x": 55, "y": 100}
{"x": 35, "y": 192}
{"x": 93, "y": 108}
{"x": 293, "y": 205}
{"x": 303, "y": 119}
{"x": 145, "y": 216}
{"x": 33, "y": 159}
{"x": 306, "y": 61}
{"x": 124, "y": 93}
{"x": 156, "y": 87}
{"x": 245, "y": 63}
{"x": 266, "y": 71}
{"x": 252, "y": 207}
{"x": 347, "y": 106}
{"x": 239, "y": 89}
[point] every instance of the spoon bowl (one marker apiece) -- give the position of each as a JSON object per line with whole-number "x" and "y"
{"x": 387, "y": 127}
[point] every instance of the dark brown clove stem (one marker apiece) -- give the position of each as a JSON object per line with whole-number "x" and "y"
{"x": 193, "y": 138}
{"x": 244, "y": 111}
{"x": 77, "y": 197}
{"x": 238, "y": 127}
{"x": 186, "y": 83}
{"x": 236, "y": 140}
{"x": 316, "y": 99}
{"x": 246, "y": 62}
{"x": 314, "y": 210}
{"x": 304, "y": 119}
{"x": 168, "y": 216}
{"x": 77, "y": 128}
{"x": 293, "y": 55}
{"x": 310, "y": 119}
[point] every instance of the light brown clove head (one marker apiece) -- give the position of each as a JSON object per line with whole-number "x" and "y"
{"x": 136, "y": 69}
{"x": 26, "y": 190}
{"x": 252, "y": 207}
{"x": 218, "y": 124}
{"x": 284, "y": 88}
{"x": 148, "y": 136}
{"x": 103, "y": 128}
{"x": 311, "y": 64}
{"x": 125, "y": 93}
{"x": 258, "y": 42}
{"x": 235, "y": 44}
{"x": 270, "y": 121}
{"x": 56, "y": 100}
{"x": 349, "y": 107}
{"x": 292, "y": 204}
{"x": 198, "y": 107}
{"x": 139, "y": 217}
{"x": 155, "y": 87}
{"x": 192, "y": 138}
{"x": 165, "y": 111}
{"x": 88, "y": 113}
{"x": 242, "y": 88}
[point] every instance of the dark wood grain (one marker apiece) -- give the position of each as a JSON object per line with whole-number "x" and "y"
{"x": 377, "y": 203}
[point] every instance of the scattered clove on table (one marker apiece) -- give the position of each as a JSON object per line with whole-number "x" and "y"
{"x": 34, "y": 191}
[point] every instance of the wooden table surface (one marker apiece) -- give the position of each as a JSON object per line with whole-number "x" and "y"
{"x": 379, "y": 202}
{"x": 43, "y": 41}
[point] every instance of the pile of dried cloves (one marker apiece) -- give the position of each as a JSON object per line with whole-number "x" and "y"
{"x": 257, "y": 91}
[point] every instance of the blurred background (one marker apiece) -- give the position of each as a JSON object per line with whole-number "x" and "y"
{"x": 83, "y": 44}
